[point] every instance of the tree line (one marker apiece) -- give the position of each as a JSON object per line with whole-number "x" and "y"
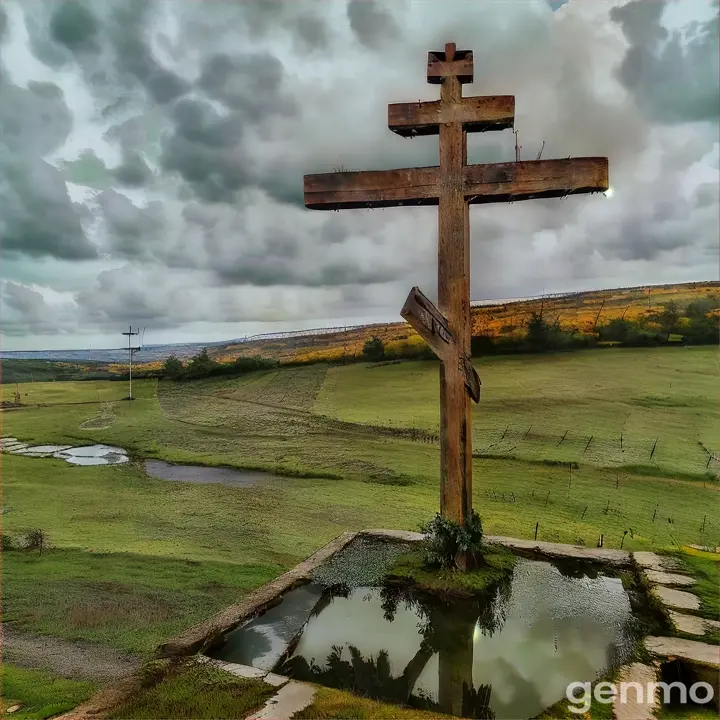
{"x": 696, "y": 324}
{"x": 203, "y": 366}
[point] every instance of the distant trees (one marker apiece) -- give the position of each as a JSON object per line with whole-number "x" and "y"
{"x": 702, "y": 320}
{"x": 374, "y": 349}
{"x": 697, "y": 323}
{"x": 172, "y": 368}
{"x": 202, "y": 365}
{"x": 667, "y": 318}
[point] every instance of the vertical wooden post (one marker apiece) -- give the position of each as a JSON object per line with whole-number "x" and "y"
{"x": 454, "y": 303}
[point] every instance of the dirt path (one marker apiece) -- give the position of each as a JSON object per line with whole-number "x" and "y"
{"x": 71, "y": 659}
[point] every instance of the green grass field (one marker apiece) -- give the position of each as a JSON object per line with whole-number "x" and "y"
{"x": 135, "y": 559}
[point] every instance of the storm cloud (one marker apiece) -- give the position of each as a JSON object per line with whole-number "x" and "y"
{"x": 153, "y": 156}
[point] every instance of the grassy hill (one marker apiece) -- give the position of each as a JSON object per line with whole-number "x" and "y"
{"x": 621, "y": 443}
{"x": 582, "y": 313}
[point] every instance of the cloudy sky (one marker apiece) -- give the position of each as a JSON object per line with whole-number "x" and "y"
{"x": 152, "y": 155}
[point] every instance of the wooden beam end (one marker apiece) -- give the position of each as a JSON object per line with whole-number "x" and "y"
{"x": 460, "y": 65}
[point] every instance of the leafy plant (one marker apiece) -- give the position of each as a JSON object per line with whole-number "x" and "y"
{"x": 36, "y": 539}
{"x": 172, "y": 367}
{"x": 374, "y": 349}
{"x": 8, "y": 542}
{"x": 444, "y": 539}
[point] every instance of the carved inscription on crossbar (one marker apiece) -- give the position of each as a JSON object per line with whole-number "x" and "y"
{"x": 432, "y": 326}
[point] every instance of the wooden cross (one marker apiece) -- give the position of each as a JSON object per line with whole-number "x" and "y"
{"x": 453, "y": 185}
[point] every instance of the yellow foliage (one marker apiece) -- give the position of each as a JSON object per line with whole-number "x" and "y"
{"x": 581, "y": 313}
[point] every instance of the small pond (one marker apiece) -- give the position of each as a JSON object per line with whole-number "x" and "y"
{"x": 202, "y": 474}
{"x": 506, "y": 655}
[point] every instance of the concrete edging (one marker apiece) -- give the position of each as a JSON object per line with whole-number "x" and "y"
{"x": 197, "y": 637}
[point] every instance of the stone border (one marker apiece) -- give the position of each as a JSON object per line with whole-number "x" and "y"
{"x": 198, "y": 637}
{"x": 534, "y": 548}
{"x": 293, "y": 696}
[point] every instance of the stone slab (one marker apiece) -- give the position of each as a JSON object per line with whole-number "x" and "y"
{"x": 631, "y": 706}
{"x": 653, "y": 561}
{"x": 692, "y": 624}
{"x": 290, "y": 699}
{"x": 243, "y": 671}
{"x": 690, "y": 650}
{"x": 663, "y": 578}
{"x": 678, "y": 599}
{"x": 618, "y": 558}
{"x": 197, "y": 637}
{"x": 275, "y": 680}
{"x": 403, "y": 535}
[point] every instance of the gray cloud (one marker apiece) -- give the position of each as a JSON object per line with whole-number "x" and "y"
{"x": 3, "y": 23}
{"x": 128, "y": 34}
{"x": 133, "y": 172}
{"x": 134, "y": 230}
{"x": 24, "y": 311}
{"x": 38, "y": 217}
{"x": 75, "y": 26}
{"x": 251, "y": 84}
{"x": 674, "y": 80}
{"x": 372, "y": 23}
{"x": 34, "y": 120}
{"x": 204, "y": 148}
{"x": 312, "y": 32}
{"x": 210, "y": 115}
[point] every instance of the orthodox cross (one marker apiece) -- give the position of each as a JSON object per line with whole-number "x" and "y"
{"x": 453, "y": 186}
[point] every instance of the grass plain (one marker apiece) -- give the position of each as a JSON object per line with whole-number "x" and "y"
{"x": 136, "y": 559}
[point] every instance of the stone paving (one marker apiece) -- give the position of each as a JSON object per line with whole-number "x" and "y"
{"x": 679, "y": 605}
{"x": 634, "y": 705}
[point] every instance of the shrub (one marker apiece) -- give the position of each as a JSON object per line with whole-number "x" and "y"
{"x": 374, "y": 349}
{"x": 8, "y": 542}
{"x": 172, "y": 368}
{"x": 444, "y": 539}
{"x": 36, "y": 539}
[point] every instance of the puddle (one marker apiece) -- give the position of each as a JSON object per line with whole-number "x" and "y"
{"x": 201, "y": 474}
{"x": 93, "y": 455}
{"x": 43, "y": 450}
{"x": 507, "y": 655}
{"x": 86, "y": 455}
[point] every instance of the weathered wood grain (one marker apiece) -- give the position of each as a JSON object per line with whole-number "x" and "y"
{"x": 428, "y": 322}
{"x": 372, "y": 188}
{"x": 480, "y": 184}
{"x": 476, "y": 114}
{"x": 505, "y": 182}
{"x": 454, "y": 304}
{"x": 451, "y": 63}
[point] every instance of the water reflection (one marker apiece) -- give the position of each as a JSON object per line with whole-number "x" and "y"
{"x": 261, "y": 642}
{"x": 505, "y": 655}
